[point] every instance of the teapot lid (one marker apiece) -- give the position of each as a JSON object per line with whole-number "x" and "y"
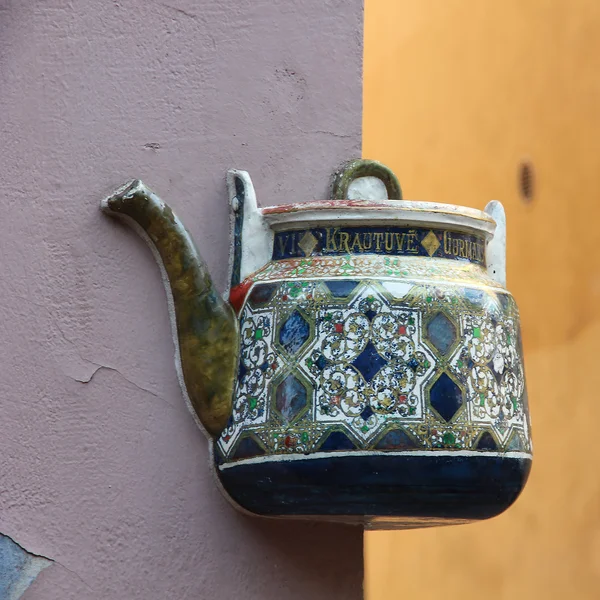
{"x": 362, "y": 192}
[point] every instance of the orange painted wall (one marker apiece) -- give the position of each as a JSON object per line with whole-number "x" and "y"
{"x": 456, "y": 94}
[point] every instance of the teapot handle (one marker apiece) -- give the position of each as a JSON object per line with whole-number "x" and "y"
{"x": 496, "y": 248}
{"x": 356, "y": 169}
{"x": 251, "y": 239}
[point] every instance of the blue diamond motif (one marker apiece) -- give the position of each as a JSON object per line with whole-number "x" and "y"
{"x": 369, "y": 362}
{"x": 290, "y": 398}
{"x": 248, "y": 447}
{"x": 261, "y": 294}
{"x": 367, "y": 413}
{"x": 337, "y": 440}
{"x": 321, "y": 362}
{"x": 441, "y": 332}
{"x": 341, "y": 288}
{"x": 505, "y": 300}
{"x": 370, "y": 314}
{"x": 294, "y": 332}
{"x": 487, "y": 442}
{"x": 515, "y": 443}
{"x": 445, "y": 396}
{"x": 396, "y": 439}
{"x": 495, "y": 373}
{"x": 475, "y": 296}
{"x": 413, "y": 363}
{"x": 243, "y": 370}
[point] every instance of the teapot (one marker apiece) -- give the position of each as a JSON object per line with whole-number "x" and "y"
{"x": 365, "y": 364}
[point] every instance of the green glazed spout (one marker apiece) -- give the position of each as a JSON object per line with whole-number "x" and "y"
{"x": 204, "y": 325}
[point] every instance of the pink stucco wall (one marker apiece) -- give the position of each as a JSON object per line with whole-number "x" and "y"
{"x": 102, "y": 468}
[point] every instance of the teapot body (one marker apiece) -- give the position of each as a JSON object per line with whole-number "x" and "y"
{"x": 380, "y": 379}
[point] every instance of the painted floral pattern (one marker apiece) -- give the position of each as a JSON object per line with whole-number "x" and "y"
{"x": 386, "y": 364}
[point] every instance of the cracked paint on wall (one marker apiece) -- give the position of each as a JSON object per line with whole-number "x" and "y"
{"x": 18, "y": 568}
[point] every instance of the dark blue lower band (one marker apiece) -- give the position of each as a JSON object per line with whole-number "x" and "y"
{"x": 436, "y": 487}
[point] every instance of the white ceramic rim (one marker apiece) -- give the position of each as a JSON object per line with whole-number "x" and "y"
{"x": 370, "y": 212}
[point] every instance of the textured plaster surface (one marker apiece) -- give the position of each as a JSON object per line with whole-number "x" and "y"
{"x": 103, "y": 469}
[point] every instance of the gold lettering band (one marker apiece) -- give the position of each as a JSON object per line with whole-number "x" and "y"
{"x": 393, "y": 241}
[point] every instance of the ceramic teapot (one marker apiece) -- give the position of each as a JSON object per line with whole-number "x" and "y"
{"x": 366, "y": 363}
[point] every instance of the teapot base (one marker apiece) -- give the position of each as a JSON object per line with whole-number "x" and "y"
{"x": 380, "y": 491}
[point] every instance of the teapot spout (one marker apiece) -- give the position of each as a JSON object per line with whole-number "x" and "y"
{"x": 205, "y": 329}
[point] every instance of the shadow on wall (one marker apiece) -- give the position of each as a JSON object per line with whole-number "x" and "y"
{"x": 327, "y": 557}
{"x": 323, "y": 558}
